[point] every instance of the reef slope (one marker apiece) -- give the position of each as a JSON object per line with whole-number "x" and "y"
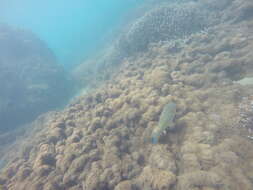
{"x": 102, "y": 140}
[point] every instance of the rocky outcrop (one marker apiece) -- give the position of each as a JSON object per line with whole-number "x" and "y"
{"x": 31, "y": 80}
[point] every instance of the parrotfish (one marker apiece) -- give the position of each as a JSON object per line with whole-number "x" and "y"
{"x": 166, "y": 122}
{"x": 245, "y": 81}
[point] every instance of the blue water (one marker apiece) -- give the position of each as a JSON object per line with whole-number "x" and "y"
{"x": 72, "y": 29}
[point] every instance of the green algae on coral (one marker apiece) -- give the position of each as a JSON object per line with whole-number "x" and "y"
{"x": 165, "y": 121}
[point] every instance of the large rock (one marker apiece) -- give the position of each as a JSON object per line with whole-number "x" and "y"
{"x": 30, "y": 79}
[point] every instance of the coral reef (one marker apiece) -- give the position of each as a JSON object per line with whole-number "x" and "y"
{"x": 199, "y": 179}
{"x": 156, "y": 179}
{"x": 165, "y": 22}
{"x": 246, "y": 116}
{"x": 30, "y": 78}
{"x": 102, "y": 140}
{"x": 162, "y": 21}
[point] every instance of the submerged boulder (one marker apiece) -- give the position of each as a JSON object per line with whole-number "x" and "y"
{"x": 31, "y": 80}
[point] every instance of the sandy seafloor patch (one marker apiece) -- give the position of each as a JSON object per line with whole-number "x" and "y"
{"x": 102, "y": 140}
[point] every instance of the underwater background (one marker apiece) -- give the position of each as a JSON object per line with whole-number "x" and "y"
{"x": 72, "y": 30}
{"x": 126, "y": 95}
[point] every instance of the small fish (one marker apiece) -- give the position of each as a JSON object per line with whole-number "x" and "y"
{"x": 165, "y": 122}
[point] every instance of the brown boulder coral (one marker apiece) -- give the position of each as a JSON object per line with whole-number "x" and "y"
{"x": 163, "y": 23}
{"x": 161, "y": 158}
{"x": 124, "y": 185}
{"x": 155, "y": 179}
{"x": 199, "y": 179}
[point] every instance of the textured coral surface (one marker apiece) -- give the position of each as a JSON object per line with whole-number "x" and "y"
{"x": 102, "y": 140}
